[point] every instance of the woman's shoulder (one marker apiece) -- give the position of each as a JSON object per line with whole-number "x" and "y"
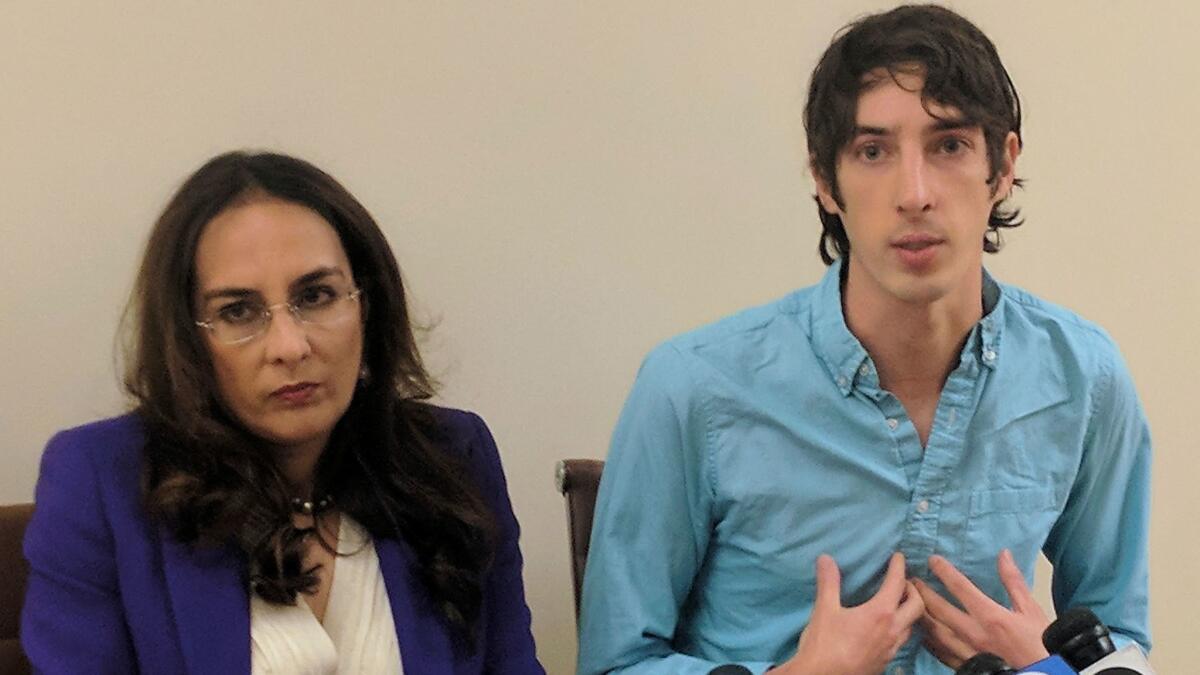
{"x": 454, "y": 423}
{"x": 89, "y": 478}
{"x": 465, "y": 434}
{"x": 109, "y": 444}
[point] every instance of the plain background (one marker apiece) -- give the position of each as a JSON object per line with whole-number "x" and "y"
{"x": 566, "y": 184}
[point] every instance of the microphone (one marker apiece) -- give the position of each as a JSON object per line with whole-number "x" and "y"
{"x": 1051, "y": 665}
{"x": 985, "y": 663}
{"x": 1084, "y": 642}
{"x": 730, "y": 669}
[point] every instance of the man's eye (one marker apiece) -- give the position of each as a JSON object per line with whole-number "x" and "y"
{"x": 239, "y": 313}
{"x": 871, "y": 152}
{"x": 315, "y": 296}
{"x": 952, "y": 146}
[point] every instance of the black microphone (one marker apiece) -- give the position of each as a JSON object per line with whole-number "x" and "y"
{"x": 1079, "y": 637}
{"x": 1082, "y": 639}
{"x": 730, "y": 669}
{"x": 984, "y": 663}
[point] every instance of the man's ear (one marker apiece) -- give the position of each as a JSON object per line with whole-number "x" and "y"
{"x": 824, "y": 190}
{"x": 1008, "y": 167}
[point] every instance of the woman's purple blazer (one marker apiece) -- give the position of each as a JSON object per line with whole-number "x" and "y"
{"x": 112, "y": 592}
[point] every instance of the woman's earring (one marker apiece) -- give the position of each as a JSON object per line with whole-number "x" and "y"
{"x": 364, "y": 374}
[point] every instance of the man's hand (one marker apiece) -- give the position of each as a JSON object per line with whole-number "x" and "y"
{"x": 954, "y": 636}
{"x": 855, "y": 640}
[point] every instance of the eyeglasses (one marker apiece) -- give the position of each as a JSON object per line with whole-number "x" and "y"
{"x": 245, "y": 319}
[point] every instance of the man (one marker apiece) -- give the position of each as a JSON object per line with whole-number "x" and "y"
{"x": 859, "y": 476}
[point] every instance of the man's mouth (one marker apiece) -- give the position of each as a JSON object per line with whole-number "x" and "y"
{"x": 916, "y": 242}
{"x": 917, "y": 251}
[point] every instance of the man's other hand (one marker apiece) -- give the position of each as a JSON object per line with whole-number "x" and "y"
{"x": 954, "y": 636}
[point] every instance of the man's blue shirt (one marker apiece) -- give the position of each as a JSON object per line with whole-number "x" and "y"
{"x": 752, "y": 445}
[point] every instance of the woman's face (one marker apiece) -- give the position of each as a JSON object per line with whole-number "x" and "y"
{"x": 290, "y": 384}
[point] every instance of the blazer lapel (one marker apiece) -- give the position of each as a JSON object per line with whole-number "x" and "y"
{"x": 424, "y": 643}
{"x": 211, "y": 607}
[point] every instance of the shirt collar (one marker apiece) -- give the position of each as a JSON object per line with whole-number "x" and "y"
{"x": 847, "y": 360}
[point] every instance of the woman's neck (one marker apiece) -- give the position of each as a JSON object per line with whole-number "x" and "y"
{"x": 298, "y": 464}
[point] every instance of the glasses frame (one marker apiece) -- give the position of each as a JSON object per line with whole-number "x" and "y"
{"x": 269, "y": 313}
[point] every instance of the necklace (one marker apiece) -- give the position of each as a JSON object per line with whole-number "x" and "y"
{"x": 311, "y": 508}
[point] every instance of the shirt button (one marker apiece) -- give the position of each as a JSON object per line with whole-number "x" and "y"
{"x": 841, "y": 381}
{"x": 898, "y": 671}
{"x": 923, "y": 505}
{"x": 989, "y": 355}
{"x": 864, "y": 369}
{"x": 892, "y": 423}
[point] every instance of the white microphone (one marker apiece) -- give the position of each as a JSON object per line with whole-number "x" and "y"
{"x": 1085, "y": 643}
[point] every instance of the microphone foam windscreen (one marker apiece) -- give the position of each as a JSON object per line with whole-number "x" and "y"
{"x": 1070, "y": 624}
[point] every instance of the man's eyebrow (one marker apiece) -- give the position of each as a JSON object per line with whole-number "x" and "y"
{"x": 864, "y": 130}
{"x": 308, "y": 278}
{"x": 944, "y": 124}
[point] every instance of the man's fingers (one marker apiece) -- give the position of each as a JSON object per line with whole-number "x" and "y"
{"x": 948, "y": 658}
{"x": 1014, "y": 581}
{"x": 944, "y": 643}
{"x": 893, "y": 582}
{"x": 973, "y": 599}
{"x": 941, "y": 610}
{"x": 911, "y": 608}
{"x": 829, "y": 583}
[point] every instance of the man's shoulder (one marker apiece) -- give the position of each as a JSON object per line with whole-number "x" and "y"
{"x": 1052, "y": 339}
{"x": 1029, "y": 312}
{"x": 730, "y": 346}
{"x": 746, "y": 327}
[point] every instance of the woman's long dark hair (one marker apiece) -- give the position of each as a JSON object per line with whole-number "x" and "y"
{"x": 386, "y": 464}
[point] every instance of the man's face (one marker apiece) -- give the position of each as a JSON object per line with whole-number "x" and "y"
{"x": 916, "y": 195}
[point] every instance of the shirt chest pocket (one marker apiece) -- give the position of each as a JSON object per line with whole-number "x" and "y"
{"x": 1018, "y": 519}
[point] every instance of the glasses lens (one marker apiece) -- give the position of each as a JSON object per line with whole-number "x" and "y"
{"x": 244, "y": 328}
{"x": 323, "y": 307}
{"x": 244, "y": 321}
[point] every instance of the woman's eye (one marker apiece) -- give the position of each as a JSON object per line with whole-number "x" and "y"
{"x": 238, "y": 313}
{"x": 315, "y": 296}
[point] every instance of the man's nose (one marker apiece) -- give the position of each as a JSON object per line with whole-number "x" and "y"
{"x": 913, "y": 194}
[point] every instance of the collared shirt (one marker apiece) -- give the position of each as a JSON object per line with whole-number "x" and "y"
{"x": 357, "y": 633}
{"x": 749, "y": 447}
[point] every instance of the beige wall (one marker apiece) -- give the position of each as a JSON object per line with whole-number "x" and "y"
{"x": 568, "y": 183}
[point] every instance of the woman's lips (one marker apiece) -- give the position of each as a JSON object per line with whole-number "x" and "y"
{"x": 295, "y": 394}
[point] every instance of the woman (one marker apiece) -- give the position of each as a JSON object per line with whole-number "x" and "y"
{"x": 282, "y": 499}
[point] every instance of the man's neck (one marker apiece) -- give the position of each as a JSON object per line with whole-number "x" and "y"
{"x": 913, "y": 345}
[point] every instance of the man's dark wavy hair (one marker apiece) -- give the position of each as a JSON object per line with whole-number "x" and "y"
{"x": 961, "y": 69}
{"x": 386, "y": 465}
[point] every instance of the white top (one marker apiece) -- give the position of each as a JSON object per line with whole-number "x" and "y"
{"x": 358, "y": 634}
